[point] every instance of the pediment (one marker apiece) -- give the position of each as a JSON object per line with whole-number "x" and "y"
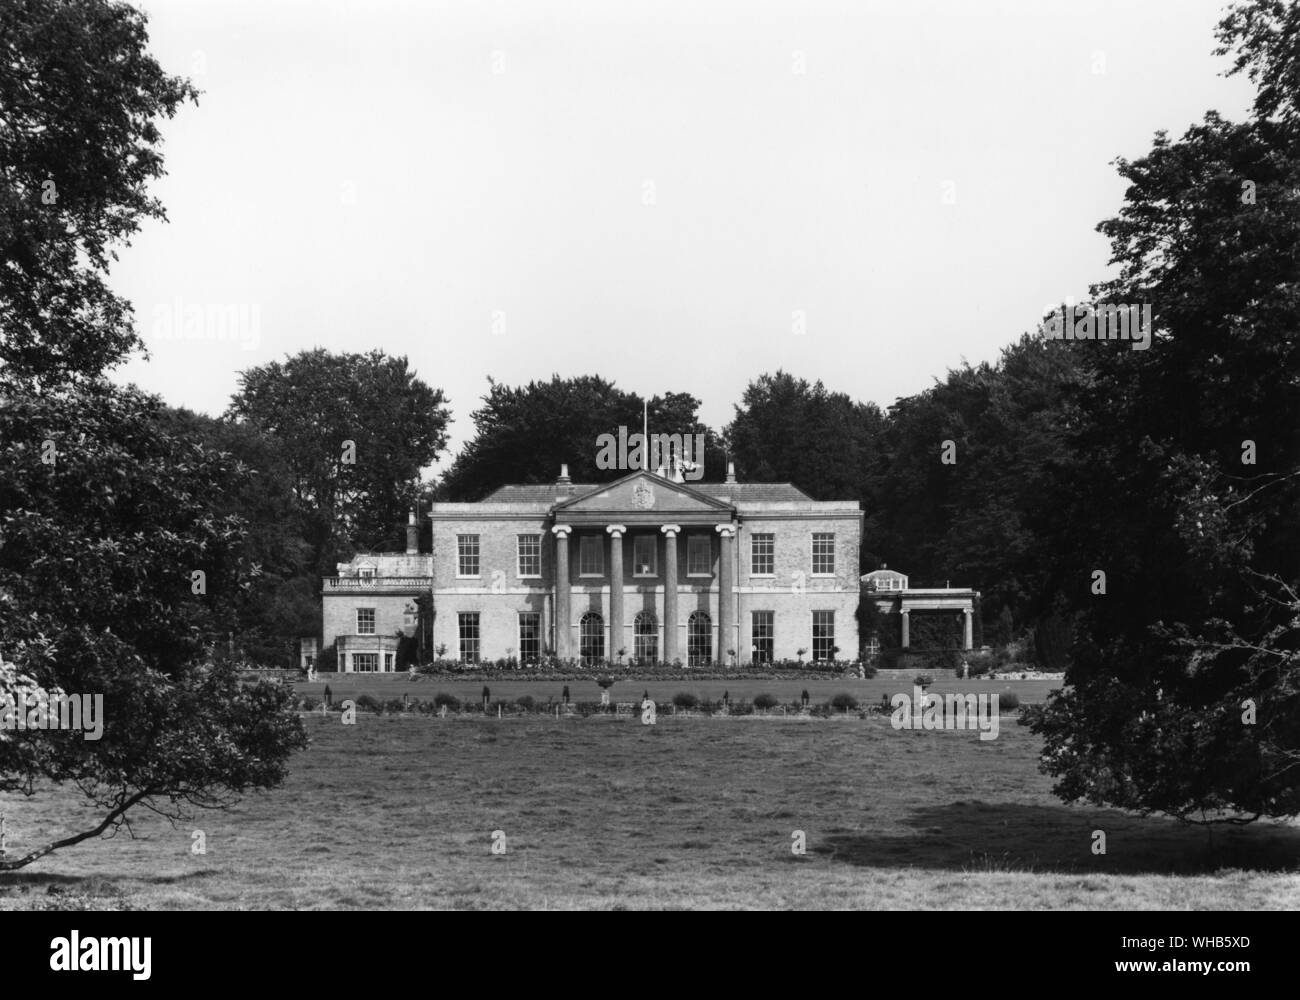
{"x": 646, "y": 494}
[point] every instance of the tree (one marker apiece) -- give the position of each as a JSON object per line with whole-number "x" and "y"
{"x": 787, "y": 430}
{"x": 1199, "y": 449}
{"x": 356, "y": 432}
{"x": 524, "y": 434}
{"x": 281, "y": 602}
{"x": 116, "y": 576}
{"x": 79, "y": 102}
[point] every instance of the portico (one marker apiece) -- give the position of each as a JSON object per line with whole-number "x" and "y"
{"x": 647, "y": 521}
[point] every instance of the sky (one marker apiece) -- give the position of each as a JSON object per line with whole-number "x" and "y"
{"x": 678, "y": 196}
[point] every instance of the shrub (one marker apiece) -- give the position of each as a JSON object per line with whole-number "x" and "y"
{"x": 309, "y": 703}
{"x": 605, "y": 682}
{"x": 844, "y": 702}
{"x": 451, "y": 702}
{"x": 868, "y": 671}
{"x": 525, "y": 702}
{"x": 1008, "y": 699}
{"x": 922, "y": 680}
{"x": 765, "y": 701}
{"x": 367, "y": 703}
{"x": 684, "y": 699}
{"x": 394, "y": 706}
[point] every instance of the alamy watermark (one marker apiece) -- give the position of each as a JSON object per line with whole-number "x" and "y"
{"x": 663, "y": 453}
{"x": 952, "y": 711}
{"x": 1099, "y": 321}
{"x": 34, "y": 708}
{"x": 235, "y": 321}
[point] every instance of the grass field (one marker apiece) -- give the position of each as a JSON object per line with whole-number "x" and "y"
{"x": 399, "y": 811}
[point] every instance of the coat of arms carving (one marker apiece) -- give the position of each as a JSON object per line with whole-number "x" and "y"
{"x": 643, "y": 497}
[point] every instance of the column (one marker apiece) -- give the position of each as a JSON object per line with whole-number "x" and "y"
{"x": 615, "y": 588}
{"x": 727, "y": 594}
{"x": 906, "y": 637}
{"x": 563, "y": 638}
{"x": 968, "y": 630}
{"x": 670, "y": 591}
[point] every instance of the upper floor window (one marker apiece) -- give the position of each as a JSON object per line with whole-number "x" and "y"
{"x": 365, "y": 621}
{"x": 366, "y": 572}
{"x": 644, "y": 554}
{"x": 591, "y": 556}
{"x": 761, "y": 555}
{"x": 823, "y": 552}
{"x": 467, "y": 555}
{"x": 530, "y": 555}
{"x": 699, "y": 556}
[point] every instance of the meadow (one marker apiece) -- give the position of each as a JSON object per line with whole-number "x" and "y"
{"x": 400, "y": 811}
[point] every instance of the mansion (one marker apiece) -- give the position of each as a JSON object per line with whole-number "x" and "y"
{"x": 645, "y": 568}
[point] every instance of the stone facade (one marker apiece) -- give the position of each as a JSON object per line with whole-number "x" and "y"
{"x": 661, "y": 569}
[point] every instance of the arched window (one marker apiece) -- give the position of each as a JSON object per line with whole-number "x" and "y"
{"x": 699, "y": 639}
{"x": 645, "y": 637}
{"x": 591, "y": 637}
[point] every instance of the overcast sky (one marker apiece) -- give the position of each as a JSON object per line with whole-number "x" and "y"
{"x": 676, "y": 194}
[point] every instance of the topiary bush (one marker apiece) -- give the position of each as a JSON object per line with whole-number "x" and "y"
{"x": 684, "y": 699}
{"x": 450, "y": 701}
{"x": 1008, "y": 699}
{"x": 525, "y": 702}
{"x": 367, "y": 703}
{"x": 844, "y": 701}
{"x": 765, "y": 701}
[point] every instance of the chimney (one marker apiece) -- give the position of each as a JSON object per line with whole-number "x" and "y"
{"x": 412, "y": 535}
{"x": 731, "y": 472}
{"x": 563, "y": 483}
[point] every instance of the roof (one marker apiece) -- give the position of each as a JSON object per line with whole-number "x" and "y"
{"x": 548, "y": 492}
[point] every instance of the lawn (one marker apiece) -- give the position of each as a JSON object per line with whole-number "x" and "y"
{"x": 399, "y": 811}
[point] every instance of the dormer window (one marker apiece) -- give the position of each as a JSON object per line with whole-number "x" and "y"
{"x": 366, "y": 572}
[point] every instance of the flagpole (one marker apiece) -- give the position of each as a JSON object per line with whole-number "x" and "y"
{"x": 645, "y": 435}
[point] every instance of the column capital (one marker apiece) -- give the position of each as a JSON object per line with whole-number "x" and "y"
{"x": 561, "y": 530}
{"x": 616, "y": 530}
{"x": 671, "y": 530}
{"x": 904, "y": 611}
{"x": 725, "y": 530}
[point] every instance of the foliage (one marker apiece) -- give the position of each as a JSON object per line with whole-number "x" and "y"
{"x": 1195, "y": 620}
{"x": 310, "y": 405}
{"x": 765, "y": 701}
{"x": 786, "y": 430}
{"x": 80, "y": 98}
{"x": 524, "y": 434}
{"x": 684, "y": 699}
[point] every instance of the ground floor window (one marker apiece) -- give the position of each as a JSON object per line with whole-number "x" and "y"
{"x": 468, "y": 627}
{"x": 823, "y": 637}
{"x": 764, "y": 633}
{"x": 591, "y": 637}
{"x": 645, "y": 637}
{"x": 388, "y": 663}
{"x": 365, "y": 663}
{"x": 699, "y": 639}
{"x": 530, "y": 636}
